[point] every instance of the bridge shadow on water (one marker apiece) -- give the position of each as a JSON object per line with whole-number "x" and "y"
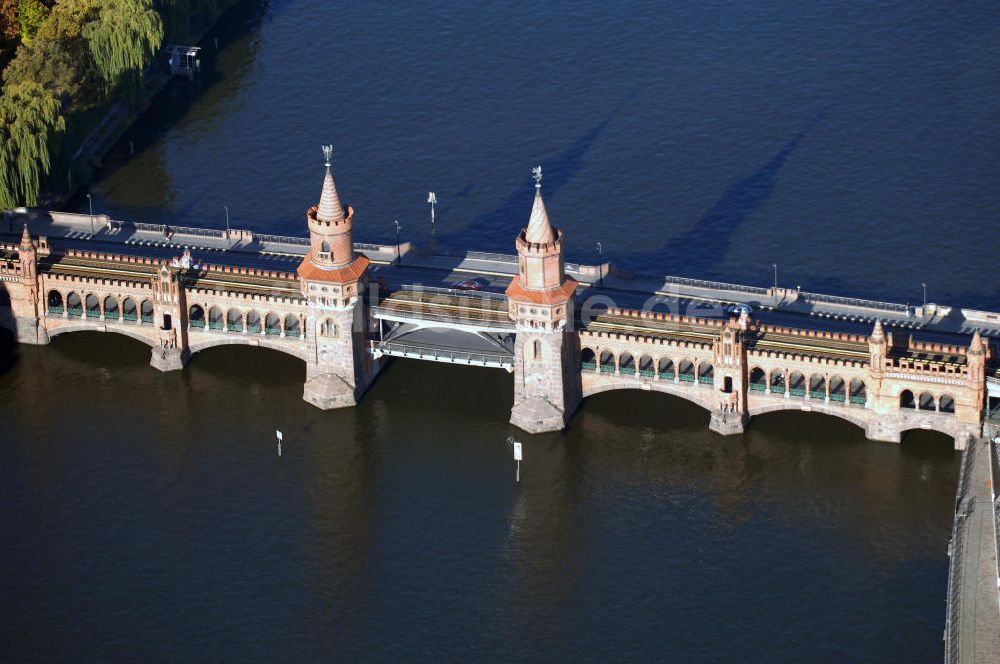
{"x": 702, "y": 248}
{"x": 492, "y": 230}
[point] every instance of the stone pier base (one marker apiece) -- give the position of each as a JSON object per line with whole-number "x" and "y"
{"x": 328, "y": 391}
{"x": 30, "y": 331}
{"x": 884, "y": 429}
{"x": 728, "y": 424}
{"x": 168, "y": 359}
{"x": 537, "y": 415}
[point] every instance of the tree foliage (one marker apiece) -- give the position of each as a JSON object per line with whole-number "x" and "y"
{"x": 30, "y": 127}
{"x": 31, "y": 14}
{"x": 10, "y": 26}
{"x": 123, "y": 38}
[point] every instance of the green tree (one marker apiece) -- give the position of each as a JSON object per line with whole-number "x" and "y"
{"x": 10, "y": 26}
{"x": 31, "y": 14}
{"x": 30, "y": 128}
{"x": 123, "y": 37}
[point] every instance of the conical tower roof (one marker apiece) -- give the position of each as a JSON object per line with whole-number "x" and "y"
{"x": 977, "y": 343}
{"x": 539, "y": 229}
{"x": 25, "y": 237}
{"x": 330, "y": 207}
{"x": 878, "y": 334}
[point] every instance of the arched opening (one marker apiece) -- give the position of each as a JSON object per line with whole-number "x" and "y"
{"x": 685, "y": 371}
{"x": 168, "y": 322}
{"x": 272, "y": 325}
{"x": 329, "y": 329}
{"x": 926, "y": 401}
{"x": 817, "y": 387}
{"x": 727, "y": 385}
{"x": 55, "y": 302}
{"x": 797, "y": 384}
{"x": 325, "y": 247}
{"x": 93, "y": 306}
{"x": 588, "y": 360}
{"x": 858, "y": 393}
{"x": 626, "y": 364}
{"x": 292, "y": 325}
{"x": 234, "y": 320}
{"x": 706, "y": 375}
{"x": 536, "y": 349}
{"x": 758, "y": 380}
{"x": 146, "y": 311}
{"x": 253, "y": 322}
{"x": 666, "y": 369}
{"x": 110, "y": 308}
{"x": 838, "y": 390}
{"x": 607, "y": 362}
{"x": 906, "y": 400}
{"x": 74, "y": 305}
{"x": 946, "y": 404}
{"x": 130, "y": 312}
{"x": 646, "y": 366}
{"x": 778, "y": 382}
{"x": 215, "y": 318}
{"x": 196, "y": 317}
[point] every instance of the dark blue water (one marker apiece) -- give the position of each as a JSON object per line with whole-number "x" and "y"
{"x": 147, "y": 517}
{"x": 853, "y": 144}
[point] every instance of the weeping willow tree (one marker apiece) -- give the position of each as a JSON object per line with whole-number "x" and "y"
{"x": 30, "y": 128}
{"x": 122, "y": 39}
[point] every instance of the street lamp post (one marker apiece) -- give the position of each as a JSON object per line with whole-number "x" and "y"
{"x": 925, "y": 294}
{"x": 600, "y": 267}
{"x": 775, "y": 265}
{"x": 228, "y": 240}
{"x": 90, "y": 202}
{"x": 432, "y": 199}
{"x": 398, "y": 256}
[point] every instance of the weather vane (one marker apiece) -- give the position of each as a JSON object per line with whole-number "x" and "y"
{"x": 327, "y": 154}
{"x": 536, "y": 173}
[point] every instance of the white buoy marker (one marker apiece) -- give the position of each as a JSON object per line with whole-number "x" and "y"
{"x": 278, "y": 434}
{"x": 517, "y": 457}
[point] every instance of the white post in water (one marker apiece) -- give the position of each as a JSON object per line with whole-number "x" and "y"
{"x": 517, "y": 457}
{"x": 278, "y": 433}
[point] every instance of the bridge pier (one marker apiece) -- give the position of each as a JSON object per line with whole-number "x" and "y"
{"x": 168, "y": 359}
{"x": 30, "y": 330}
{"x": 728, "y": 423}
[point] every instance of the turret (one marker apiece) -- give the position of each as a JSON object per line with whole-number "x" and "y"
{"x": 976, "y": 358}
{"x": 541, "y": 295}
{"x": 877, "y": 349}
{"x": 330, "y": 222}
{"x": 28, "y": 255}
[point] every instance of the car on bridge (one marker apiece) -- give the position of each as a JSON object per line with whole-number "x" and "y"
{"x": 476, "y": 283}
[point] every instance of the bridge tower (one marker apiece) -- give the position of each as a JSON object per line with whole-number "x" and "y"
{"x": 334, "y": 280}
{"x": 170, "y": 314}
{"x": 25, "y": 299}
{"x": 546, "y": 351}
{"x": 729, "y": 408}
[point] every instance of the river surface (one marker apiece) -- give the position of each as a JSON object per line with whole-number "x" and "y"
{"x": 147, "y": 516}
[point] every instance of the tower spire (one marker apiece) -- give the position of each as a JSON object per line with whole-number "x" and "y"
{"x": 330, "y": 207}
{"x": 878, "y": 335}
{"x": 539, "y": 229}
{"x": 25, "y": 237}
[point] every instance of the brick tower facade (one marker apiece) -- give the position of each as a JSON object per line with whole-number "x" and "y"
{"x": 729, "y": 410}
{"x": 25, "y": 298}
{"x": 334, "y": 279}
{"x": 541, "y": 300}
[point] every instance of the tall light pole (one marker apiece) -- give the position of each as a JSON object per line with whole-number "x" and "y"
{"x": 398, "y": 256}
{"x": 775, "y": 265}
{"x": 925, "y": 295}
{"x": 228, "y": 240}
{"x": 600, "y": 268}
{"x": 90, "y": 201}
{"x": 432, "y": 199}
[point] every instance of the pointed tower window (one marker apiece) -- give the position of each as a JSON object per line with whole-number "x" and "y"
{"x": 537, "y": 349}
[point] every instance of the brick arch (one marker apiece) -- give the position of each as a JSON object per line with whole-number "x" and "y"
{"x": 84, "y": 327}
{"x": 243, "y": 340}
{"x": 854, "y": 416}
{"x": 701, "y": 398}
